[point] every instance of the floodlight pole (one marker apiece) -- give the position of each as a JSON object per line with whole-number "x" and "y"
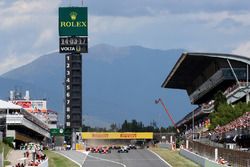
{"x": 247, "y": 96}
{"x": 193, "y": 126}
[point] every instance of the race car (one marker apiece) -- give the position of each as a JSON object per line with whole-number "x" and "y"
{"x": 95, "y": 149}
{"x": 123, "y": 149}
{"x": 105, "y": 150}
{"x": 132, "y": 146}
{"x": 88, "y": 148}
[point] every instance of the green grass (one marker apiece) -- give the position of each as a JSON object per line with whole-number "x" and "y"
{"x": 6, "y": 163}
{"x": 6, "y": 149}
{"x": 174, "y": 158}
{"x": 57, "y": 160}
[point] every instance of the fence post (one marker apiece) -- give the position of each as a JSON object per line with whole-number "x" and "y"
{"x": 2, "y": 158}
{"x": 171, "y": 139}
{"x": 248, "y": 163}
{"x": 187, "y": 144}
{"x": 216, "y": 154}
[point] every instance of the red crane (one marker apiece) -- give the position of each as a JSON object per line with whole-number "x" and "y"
{"x": 160, "y": 100}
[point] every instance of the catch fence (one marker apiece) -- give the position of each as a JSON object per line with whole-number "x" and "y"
{"x": 235, "y": 158}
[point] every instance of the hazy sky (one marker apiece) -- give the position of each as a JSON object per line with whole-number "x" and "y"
{"x": 28, "y": 29}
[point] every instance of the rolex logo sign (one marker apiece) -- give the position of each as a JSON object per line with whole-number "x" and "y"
{"x": 73, "y": 15}
{"x": 73, "y": 21}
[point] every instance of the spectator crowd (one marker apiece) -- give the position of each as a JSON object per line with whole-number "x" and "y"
{"x": 241, "y": 122}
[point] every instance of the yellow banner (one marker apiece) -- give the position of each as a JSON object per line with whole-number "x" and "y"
{"x": 116, "y": 135}
{"x": 79, "y": 146}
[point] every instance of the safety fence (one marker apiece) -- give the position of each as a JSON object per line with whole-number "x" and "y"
{"x": 235, "y": 158}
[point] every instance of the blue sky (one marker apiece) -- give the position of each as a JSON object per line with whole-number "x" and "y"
{"x": 28, "y": 28}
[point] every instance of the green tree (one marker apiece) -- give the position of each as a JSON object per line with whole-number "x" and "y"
{"x": 134, "y": 126}
{"x": 219, "y": 98}
{"x": 227, "y": 113}
{"x": 113, "y": 127}
{"x": 125, "y": 126}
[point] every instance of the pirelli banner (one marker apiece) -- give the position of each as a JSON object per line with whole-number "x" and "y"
{"x": 116, "y": 135}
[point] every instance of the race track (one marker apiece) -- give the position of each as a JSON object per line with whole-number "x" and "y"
{"x": 135, "y": 158}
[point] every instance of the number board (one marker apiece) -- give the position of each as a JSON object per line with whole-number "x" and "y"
{"x": 73, "y": 44}
{"x": 68, "y": 91}
{"x": 73, "y": 91}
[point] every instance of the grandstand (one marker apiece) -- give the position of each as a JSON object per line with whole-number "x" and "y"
{"x": 20, "y": 125}
{"x": 202, "y": 75}
{"x": 37, "y": 108}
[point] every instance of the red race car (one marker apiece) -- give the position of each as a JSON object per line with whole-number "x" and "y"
{"x": 105, "y": 150}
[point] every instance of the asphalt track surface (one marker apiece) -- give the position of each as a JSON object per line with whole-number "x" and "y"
{"x": 75, "y": 156}
{"x": 134, "y": 158}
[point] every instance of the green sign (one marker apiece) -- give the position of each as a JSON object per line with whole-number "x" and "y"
{"x": 57, "y": 132}
{"x": 73, "y": 21}
{"x": 67, "y": 132}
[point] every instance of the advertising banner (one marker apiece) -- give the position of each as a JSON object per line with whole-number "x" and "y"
{"x": 73, "y": 21}
{"x": 56, "y": 132}
{"x": 32, "y": 105}
{"x": 116, "y": 135}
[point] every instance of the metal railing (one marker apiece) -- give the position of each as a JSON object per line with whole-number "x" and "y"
{"x": 214, "y": 80}
{"x": 20, "y": 119}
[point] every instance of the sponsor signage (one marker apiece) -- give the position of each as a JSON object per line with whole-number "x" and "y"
{"x": 73, "y": 44}
{"x": 73, "y": 21}
{"x": 57, "y": 132}
{"x": 67, "y": 132}
{"x": 32, "y": 105}
{"x": 115, "y": 135}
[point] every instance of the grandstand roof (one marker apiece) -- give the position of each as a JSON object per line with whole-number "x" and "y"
{"x": 190, "y": 65}
{"x": 8, "y": 105}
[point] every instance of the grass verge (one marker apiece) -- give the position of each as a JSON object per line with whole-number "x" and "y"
{"x": 6, "y": 163}
{"x": 6, "y": 149}
{"x": 56, "y": 160}
{"x": 174, "y": 158}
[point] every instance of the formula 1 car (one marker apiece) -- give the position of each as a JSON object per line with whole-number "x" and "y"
{"x": 123, "y": 149}
{"x": 104, "y": 150}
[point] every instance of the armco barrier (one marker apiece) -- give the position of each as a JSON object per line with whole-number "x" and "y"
{"x": 165, "y": 145}
{"x": 199, "y": 159}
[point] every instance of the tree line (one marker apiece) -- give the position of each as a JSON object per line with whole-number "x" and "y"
{"x": 131, "y": 126}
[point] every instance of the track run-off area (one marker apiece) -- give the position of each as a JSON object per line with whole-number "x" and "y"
{"x": 134, "y": 158}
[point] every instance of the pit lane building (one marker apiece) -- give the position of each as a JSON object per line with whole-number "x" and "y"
{"x": 202, "y": 75}
{"x": 20, "y": 125}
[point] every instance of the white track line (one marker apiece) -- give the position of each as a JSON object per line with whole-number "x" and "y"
{"x": 68, "y": 158}
{"x": 160, "y": 158}
{"x": 108, "y": 160}
{"x": 85, "y": 153}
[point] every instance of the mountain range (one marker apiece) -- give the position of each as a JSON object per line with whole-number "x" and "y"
{"x": 118, "y": 83}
